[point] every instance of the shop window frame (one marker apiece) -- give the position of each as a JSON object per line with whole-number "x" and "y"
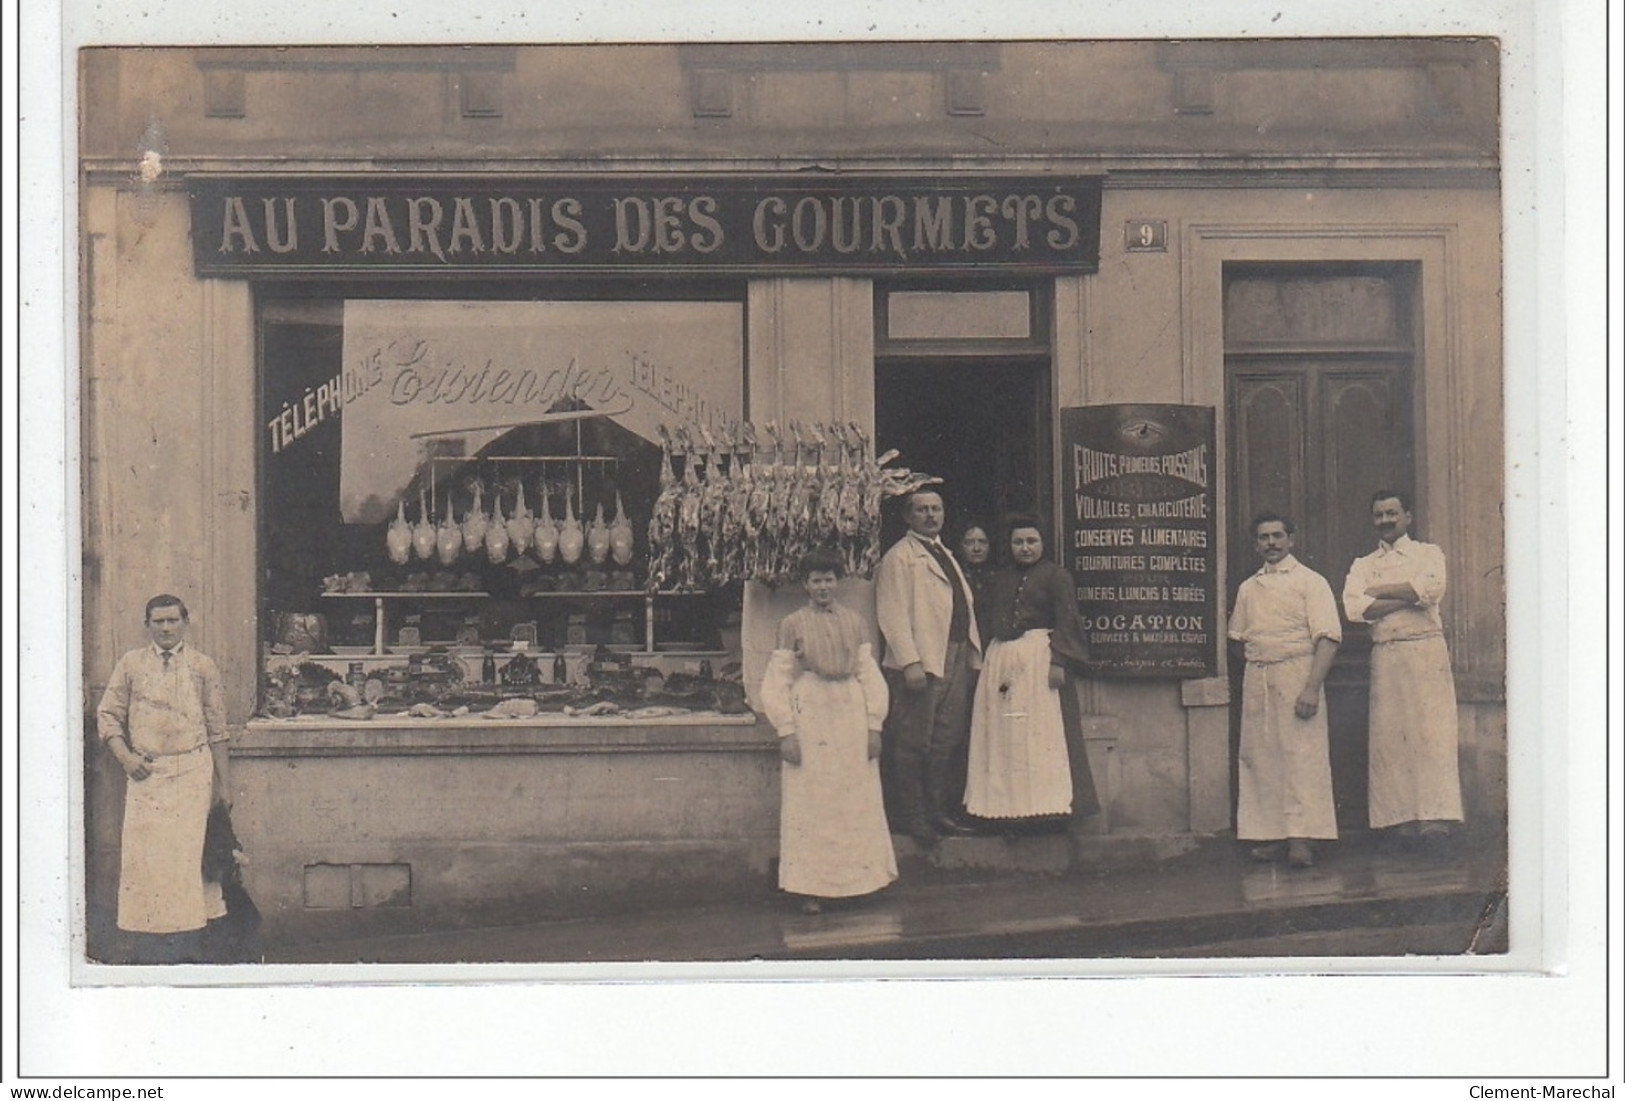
{"x": 320, "y": 300}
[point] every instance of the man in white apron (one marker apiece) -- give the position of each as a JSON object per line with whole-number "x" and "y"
{"x": 1415, "y": 783}
{"x": 163, "y": 718}
{"x": 1286, "y": 618}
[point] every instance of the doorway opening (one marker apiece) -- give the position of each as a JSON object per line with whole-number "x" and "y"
{"x": 981, "y": 425}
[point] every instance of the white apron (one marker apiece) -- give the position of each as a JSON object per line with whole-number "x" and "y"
{"x": 1018, "y": 764}
{"x": 834, "y": 841}
{"x": 1284, "y": 769}
{"x": 1414, "y": 775}
{"x": 161, "y": 886}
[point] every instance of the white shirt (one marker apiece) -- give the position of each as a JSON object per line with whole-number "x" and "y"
{"x": 1404, "y": 561}
{"x": 1282, "y": 610}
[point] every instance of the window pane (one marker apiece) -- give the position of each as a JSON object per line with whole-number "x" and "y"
{"x": 958, "y": 315}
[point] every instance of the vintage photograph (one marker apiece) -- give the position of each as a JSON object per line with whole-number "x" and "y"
{"x": 973, "y": 500}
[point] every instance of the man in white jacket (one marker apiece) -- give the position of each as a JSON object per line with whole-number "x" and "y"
{"x": 1415, "y": 785}
{"x": 924, "y": 608}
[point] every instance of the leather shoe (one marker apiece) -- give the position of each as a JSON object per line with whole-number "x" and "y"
{"x": 948, "y": 827}
{"x": 924, "y": 836}
{"x": 1300, "y": 853}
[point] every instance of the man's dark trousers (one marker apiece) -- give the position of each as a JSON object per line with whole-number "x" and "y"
{"x": 927, "y": 727}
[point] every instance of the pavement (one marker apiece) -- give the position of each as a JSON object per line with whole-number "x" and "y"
{"x": 990, "y": 898}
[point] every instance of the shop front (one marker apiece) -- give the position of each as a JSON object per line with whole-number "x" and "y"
{"x": 485, "y": 472}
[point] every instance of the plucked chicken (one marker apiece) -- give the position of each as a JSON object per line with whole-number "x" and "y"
{"x": 475, "y": 523}
{"x": 399, "y": 536}
{"x": 598, "y": 537}
{"x": 521, "y": 525}
{"x": 546, "y": 536}
{"x": 423, "y": 533}
{"x": 448, "y": 541}
{"x": 571, "y": 538}
{"x": 496, "y": 535}
{"x": 620, "y": 533}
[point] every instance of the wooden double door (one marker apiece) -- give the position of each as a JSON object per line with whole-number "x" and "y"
{"x": 1320, "y": 414}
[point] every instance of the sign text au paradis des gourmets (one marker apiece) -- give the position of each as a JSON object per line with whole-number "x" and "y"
{"x": 732, "y": 225}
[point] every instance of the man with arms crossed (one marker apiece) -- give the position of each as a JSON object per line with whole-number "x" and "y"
{"x": 1414, "y": 777}
{"x": 1286, "y": 619}
{"x": 163, "y": 717}
{"x": 923, "y": 606}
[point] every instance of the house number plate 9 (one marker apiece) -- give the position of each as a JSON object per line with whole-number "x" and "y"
{"x": 1146, "y": 235}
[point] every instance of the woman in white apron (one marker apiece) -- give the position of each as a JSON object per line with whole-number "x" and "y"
{"x": 825, "y": 696}
{"x": 1026, "y": 747}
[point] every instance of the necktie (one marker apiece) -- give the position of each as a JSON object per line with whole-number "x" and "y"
{"x": 959, "y": 625}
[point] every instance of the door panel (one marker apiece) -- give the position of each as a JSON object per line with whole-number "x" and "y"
{"x": 1267, "y": 422}
{"x": 1363, "y": 453}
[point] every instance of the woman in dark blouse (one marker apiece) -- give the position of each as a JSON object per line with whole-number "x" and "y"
{"x": 1026, "y": 746}
{"x": 974, "y": 549}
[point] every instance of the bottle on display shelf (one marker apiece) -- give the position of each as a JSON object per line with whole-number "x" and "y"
{"x": 488, "y": 668}
{"x": 561, "y": 672}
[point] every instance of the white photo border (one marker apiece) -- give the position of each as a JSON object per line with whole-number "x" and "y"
{"x": 1545, "y": 1021}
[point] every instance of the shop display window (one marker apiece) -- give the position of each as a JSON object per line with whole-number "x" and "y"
{"x": 456, "y": 504}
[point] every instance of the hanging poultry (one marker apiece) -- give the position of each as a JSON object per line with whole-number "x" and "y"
{"x": 598, "y": 537}
{"x": 620, "y": 533}
{"x": 571, "y": 537}
{"x": 736, "y": 509}
{"x": 688, "y": 515}
{"x": 449, "y": 537}
{"x": 713, "y": 505}
{"x": 849, "y": 511}
{"x": 423, "y": 533}
{"x": 663, "y": 520}
{"x": 546, "y": 536}
{"x": 521, "y": 525}
{"x": 475, "y": 523}
{"x": 754, "y": 518}
{"x": 496, "y": 534}
{"x": 399, "y": 536}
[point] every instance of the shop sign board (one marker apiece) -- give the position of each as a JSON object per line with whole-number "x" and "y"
{"x": 1140, "y": 536}
{"x": 742, "y": 225}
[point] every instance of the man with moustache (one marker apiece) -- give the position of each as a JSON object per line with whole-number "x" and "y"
{"x": 1415, "y": 783}
{"x": 926, "y": 616}
{"x": 1286, "y": 619}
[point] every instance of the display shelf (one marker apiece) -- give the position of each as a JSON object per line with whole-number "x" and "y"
{"x": 380, "y": 593}
{"x": 381, "y": 599}
{"x": 380, "y": 606}
{"x": 388, "y": 602}
{"x": 579, "y": 594}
